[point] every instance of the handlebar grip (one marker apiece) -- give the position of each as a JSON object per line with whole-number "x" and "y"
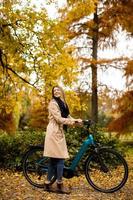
{"x": 88, "y": 122}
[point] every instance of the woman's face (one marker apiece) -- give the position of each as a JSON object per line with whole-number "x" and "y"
{"x": 57, "y": 92}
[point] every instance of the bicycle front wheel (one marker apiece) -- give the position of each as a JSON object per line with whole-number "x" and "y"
{"x": 35, "y": 167}
{"x": 106, "y": 171}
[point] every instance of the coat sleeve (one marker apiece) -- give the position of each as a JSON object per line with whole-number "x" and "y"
{"x": 70, "y": 117}
{"x": 55, "y": 112}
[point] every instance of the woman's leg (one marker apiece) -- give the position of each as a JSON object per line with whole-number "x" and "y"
{"x": 60, "y": 167}
{"x": 51, "y": 169}
{"x": 60, "y": 187}
{"x": 51, "y": 172}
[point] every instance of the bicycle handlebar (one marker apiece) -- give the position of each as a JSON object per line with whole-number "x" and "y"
{"x": 88, "y": 122}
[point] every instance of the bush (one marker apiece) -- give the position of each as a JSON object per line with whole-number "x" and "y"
{"x": 12, "y": 148}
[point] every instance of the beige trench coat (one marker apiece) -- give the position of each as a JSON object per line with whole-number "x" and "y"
{"x": 55, "y": 142}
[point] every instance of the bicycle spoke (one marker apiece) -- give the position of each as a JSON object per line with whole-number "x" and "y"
{"x": 35, "y": 167}
{"x": 108, "y": 172}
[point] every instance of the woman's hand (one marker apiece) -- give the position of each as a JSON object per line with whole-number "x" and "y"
{"x": 76, "y": 122}
{"x": 79, "y": 121}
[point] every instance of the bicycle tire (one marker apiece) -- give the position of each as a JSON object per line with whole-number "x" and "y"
{"x": 106, "y": 171}
{"x": 35, "y": 167}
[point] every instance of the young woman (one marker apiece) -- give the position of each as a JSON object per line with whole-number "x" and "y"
{"x": 55, "y": 144}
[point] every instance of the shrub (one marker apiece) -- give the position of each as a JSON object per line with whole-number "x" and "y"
{"x": 12, "y": 148}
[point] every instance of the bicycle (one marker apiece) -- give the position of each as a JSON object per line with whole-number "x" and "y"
{"x": 105, "y": 169}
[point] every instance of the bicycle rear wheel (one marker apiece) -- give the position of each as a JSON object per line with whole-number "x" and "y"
{"x": 106, "y": 171}
{"x": 35, "y": 167}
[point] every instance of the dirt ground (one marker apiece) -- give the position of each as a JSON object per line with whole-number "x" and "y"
{"x": 13, "y": 186}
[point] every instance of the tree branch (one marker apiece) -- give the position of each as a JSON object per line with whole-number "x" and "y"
{"x": 14, "y": 72}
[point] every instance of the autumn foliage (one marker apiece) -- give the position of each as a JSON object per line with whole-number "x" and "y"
{"x": 37, "y": 52}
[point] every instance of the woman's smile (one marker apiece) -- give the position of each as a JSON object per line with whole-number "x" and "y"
{"x": 57, "y": 92}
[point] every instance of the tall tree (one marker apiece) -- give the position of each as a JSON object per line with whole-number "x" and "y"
{"x": 94, "y": 98}
{"x": 89, "y": 34}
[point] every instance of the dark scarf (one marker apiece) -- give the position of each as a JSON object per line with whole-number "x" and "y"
{"x": 63, "y": 108}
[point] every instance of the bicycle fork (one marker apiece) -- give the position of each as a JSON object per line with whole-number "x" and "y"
{"x": 103, "y": 168}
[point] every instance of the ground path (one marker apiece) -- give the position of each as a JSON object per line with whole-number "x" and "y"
{"x": 13, "y": 186}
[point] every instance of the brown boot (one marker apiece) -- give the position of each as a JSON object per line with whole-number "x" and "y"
{"x": 48, "y": 187}
{"x": 61, "y": 189}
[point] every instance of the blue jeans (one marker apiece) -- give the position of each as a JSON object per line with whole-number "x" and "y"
{"x": 55, "y": 168}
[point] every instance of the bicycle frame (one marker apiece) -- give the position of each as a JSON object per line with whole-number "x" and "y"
{"x": 89, "y": 141}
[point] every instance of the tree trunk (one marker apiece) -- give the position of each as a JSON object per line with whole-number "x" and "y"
{"x": 94, "y": 100}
